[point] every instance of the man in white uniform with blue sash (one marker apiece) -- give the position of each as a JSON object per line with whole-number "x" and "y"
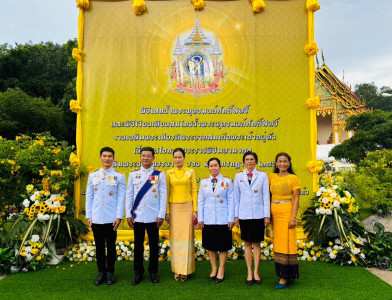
{"x": 145, "y": 210}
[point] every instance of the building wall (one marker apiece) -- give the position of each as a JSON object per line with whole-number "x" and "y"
{"x": 324, "y": 129}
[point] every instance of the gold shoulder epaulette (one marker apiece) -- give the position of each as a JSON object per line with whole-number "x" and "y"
{"x": 160, "y": 170}
{"x": 94, "y": 170}
{"x": 119, "y": 171}
{"x": 205, "y": 178}
{"x": 227, "y": 177}
{"x": 240, "y": 171}
{"x": 134, "y": 170}
{"x": 260, "y": 170}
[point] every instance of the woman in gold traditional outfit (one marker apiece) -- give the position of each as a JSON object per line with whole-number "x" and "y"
{"x": 285, "y": 188}
{"x": 181, "y": 215}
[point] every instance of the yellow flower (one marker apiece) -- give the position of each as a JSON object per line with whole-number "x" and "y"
{"x": 313, "y": 102}
{"x": 18, "y": 138}
{"x": 312, "y": 252}
{"x": 301, "y": 245}
{"x": 38, "y": 258}
{"x": 12, "y": 148}
{"x": 309, "y": 258}
{"x": 335, "y": 252}
{"x": 312, "y": 5}
{"x": 311, "y": 49}
{"x": 265, "y": 244}
{"x": 258, "y": 5}
{"x": 330, "y": 243}
{"x": 299, "y": 252}
{"x": 353, "y": 258}
{"x": 79, "y": 251}
{"x": 126, "y": 243}
{"x": 318, "y": 254}
{"x": 82, "y": 4}
{"x": 11, "y": 162}
{"x": 308, "y": 245}
{"x": 315, "y": 166}
{"x": 118, "y": 252}
{"x": 139, "y": 6}
{"x": 74, "y": 160}
{"x": 77, "y": 54}
{"x": 159, "y": 259}
{"x": 23, "y": 253}
{"x": 84, "y": 258}
{"x": 315, "y": 248}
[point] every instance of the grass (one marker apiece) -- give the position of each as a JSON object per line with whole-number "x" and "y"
{"x": 365, "y": 212}
{"x": 318, "y": 281}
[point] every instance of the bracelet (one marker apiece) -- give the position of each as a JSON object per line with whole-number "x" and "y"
{"x": 293, "y": 219}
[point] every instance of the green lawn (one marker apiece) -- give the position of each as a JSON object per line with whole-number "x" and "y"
{"x": 318, "y": 281}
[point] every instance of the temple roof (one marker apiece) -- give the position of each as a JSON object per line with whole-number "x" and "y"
{"x": 335, "y": 94}
{"x": 197, "y": 36}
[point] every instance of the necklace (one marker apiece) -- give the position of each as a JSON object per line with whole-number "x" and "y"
{"x": 183, "y": 173}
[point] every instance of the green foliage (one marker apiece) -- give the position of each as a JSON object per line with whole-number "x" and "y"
{"x": 6, "y": 256}
{"x": 20, "y": 113}
{"x": 372, "y": 180}
{"x": 41, "y": 70}
{"x": 372, "y": 95}
{"x": 378, "y": 247}
{"x": 373, "y": 131}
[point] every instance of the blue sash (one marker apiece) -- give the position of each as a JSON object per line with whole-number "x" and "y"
{"x": 145, "y": 188}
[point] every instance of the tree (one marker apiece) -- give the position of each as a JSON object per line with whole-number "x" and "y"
{"x": 372, "y": 131}
{"x": 372, "y": 95}
{"x": 22, "y": 114}
{"x": 41, "y": 70}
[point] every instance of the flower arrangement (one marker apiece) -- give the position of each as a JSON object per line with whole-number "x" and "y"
{"x": 31, "y": 255}
{"x": 333, "y": 216}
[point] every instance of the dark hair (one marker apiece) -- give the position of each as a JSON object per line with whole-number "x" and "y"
{"x": 250, "y": 153}
{"x": 290, "y": 169}
{"x": 151, "y": 149}
{"x": 106, "y": 149}
{"x": 214, "y": 158}
{"x": 179, "y": 150}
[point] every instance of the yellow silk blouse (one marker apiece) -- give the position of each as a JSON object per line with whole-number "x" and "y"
{"x": 282, "y": 188}
{"x": 181, "y": 186}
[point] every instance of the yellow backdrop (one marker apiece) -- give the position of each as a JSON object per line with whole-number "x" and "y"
{"x": 216, "y": 82}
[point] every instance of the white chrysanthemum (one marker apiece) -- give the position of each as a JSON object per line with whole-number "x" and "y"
{"x": 349, "y": 262}
{"x": 92, "y": 253}
{"x": 79, "y": 256}
{"x": 28, "y": 249}
{"x": 338, "y": 241}
{"x": 117, "y": 247}
{"x": 318, "y": 194}
{"x": 70, "y": 252}
{"x": 335, "y": 247}
{"x": 146, "y": 258}
{"x": 45, "y": 251}
{"x": 129, "y": 253}
{"x": 70, "y": 259}
{"x": 119, "y": 258}
{"x": 147, "y": 247}
{"x": 317, "y": 211}
{"x": 271, "y": 246}
{"x": 266, "y": 252}
{"x": 311, "y": 243}
{"x": 26, "y": 202}
{"x": 121, "y": 243}
{"x": 89, "y": 259}
{"x": 336, "y": 204}
{"x": 347, "y": 194}
{"x": 362, "y": 255}
{"x": 325, "y": 200}
{"x": 123, "y": 254}
{"x": 335, "y": 187}
{"x": 28, "y": 256}
{"x": 162, "y": 251}
{"x": 332, "y": 255}
{"x": 35, "y": 238}
{"x": 303, "y": 258}
{"x": 322, "y": 189}
{"x": 329, "y": 249}
{"x": 333, "y": 195}
{"x": 328, "y": 211}
{"x": 323, "y": 211}
{"x": 164, "y": 246}
{"x": 305, "y": 253}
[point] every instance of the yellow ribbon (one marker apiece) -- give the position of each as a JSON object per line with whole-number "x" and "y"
{"x": 77, "y": 54}
{"x": 258, "y": 5}
{"x": 312, "y": 5}
{"x": 311, "y": 48}
{"x": 313, "y": 102}
{"x": 198, "y": 4}
{"x": 139, "y": 7}
{"x": 83, "y": 4}
{"x": 74, "y": 106}
{"x": 74, "y": 160}
{"x": 315, "y": 166}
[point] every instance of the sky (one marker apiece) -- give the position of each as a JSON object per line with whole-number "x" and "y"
{"x": 355, "y": 35}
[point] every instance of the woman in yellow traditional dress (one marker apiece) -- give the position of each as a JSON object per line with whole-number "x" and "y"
{"x": 285, "y": 188}
{"x": 181, "y": 215}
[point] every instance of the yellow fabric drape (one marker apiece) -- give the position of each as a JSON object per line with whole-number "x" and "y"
{"x": 311, "y": 50}
{"x": 75, "y": 105}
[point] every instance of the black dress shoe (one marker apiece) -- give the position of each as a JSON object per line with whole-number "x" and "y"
{"x": 219, "y": 280}
{"x": 100, "y": 279}
{"x": 110, "y": 278}
{"x": 212, "y": 278}
{"x": 258, "y": 282}
{"x": 249, "y": 282}
{"x": 154, "y": 278}
{"x": 137, "y": 280}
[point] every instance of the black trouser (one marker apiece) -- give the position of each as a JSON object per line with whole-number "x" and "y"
{"x": 104, "y": 235}
{"x": 153, "y": 235}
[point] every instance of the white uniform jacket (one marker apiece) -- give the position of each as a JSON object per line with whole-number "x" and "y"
{"x": 105, "y": 196}
{"x": 216, "y": 207}
{"x": 251, "y": 201}
{"x": 153, "y": 203}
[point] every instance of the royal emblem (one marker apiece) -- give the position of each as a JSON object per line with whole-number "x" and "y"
{"x": 197, "y": 68}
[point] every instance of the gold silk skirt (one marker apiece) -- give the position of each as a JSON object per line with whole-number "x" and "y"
{"x": 285, "y": 241}
{"x": 182, "y": 242}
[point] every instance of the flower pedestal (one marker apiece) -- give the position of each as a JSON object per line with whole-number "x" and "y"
{"x": 56, "y": 259}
